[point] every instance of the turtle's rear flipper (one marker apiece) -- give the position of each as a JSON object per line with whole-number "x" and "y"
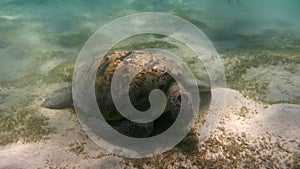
{"x": 60, "y": 99}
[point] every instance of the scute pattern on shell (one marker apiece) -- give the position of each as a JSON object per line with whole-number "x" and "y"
{"x": 155, "y": 76}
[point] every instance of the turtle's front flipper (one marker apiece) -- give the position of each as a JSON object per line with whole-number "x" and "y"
{"x": 60, "y": 99}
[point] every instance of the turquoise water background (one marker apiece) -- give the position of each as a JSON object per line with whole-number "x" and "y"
{"x": 28, "y": 27}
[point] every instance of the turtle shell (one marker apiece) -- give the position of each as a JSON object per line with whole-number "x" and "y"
{"x": 149, "y": 72}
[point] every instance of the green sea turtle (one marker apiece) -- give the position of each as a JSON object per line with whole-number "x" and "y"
{"x": 146, "y": 80}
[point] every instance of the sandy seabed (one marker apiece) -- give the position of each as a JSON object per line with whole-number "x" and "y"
{"x": 267, "y": 132}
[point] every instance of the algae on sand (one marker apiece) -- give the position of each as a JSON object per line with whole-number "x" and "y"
{"x": 146, "y": 45}
{"x": 63, "y": 71}
{"x": 267, "y": 73}
{"x": 25, "y": 125}
{"x": 73, "y": 40}
{"x": 20, "y": 115}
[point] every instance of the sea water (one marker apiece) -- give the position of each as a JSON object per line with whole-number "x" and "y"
{"x": 30, "y": 26}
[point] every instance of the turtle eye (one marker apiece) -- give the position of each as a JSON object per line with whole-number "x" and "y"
{"x": 178, "y": 99}
{"x": 181, "y": 95}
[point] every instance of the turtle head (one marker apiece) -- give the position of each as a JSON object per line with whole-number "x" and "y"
{"x": 175, "y": 96}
